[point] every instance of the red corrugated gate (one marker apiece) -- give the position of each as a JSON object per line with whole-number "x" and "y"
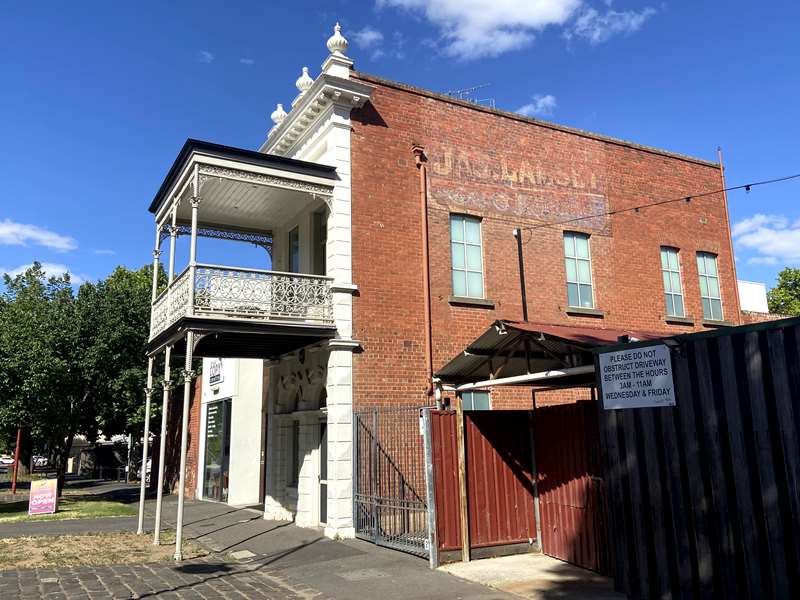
{"x": 571, "y": 491}
{"x": 499, "y": 478}
{"x": 500, "y": 491}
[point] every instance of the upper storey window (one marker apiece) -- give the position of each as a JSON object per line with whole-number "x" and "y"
{"x": 578, "y": 264}
{"x": 467, "y": 256}
{"x": 709, "y": 286}
{"x": 671, "y": 274}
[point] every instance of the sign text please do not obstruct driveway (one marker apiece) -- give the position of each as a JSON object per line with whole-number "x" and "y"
{"x": 637, "y": 378}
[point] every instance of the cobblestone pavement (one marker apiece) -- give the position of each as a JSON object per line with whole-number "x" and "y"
{"x": 211, "y": 577}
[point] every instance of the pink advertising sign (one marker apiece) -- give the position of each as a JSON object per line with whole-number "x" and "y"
{"x": 44, "y": 497}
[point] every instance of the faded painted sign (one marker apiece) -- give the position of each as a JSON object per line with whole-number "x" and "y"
{"x": 518, "y": 187}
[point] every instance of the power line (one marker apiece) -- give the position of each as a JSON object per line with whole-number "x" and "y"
{"x": 685, "y": 198}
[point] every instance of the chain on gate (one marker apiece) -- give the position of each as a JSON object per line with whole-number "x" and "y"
{"x": 389, "y": 478}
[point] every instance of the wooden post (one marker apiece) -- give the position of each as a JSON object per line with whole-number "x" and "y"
{"x": 462, "y": 479}
{"x": 16, "y": 462}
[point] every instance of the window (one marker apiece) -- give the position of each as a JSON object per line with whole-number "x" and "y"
{"x": 294, "y": 457}
{"x": 671, "y": 273}
{"x": 294, "y": 250}
{"x": 467, "y": 259}
{"x": 475, "y": 401}
{"x": 579, "y": 270}
{"x": 709, "y": 286}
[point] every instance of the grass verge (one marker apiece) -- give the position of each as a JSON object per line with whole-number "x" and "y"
{"x": 68, "y": 508}
{"x": 90, "y": 550}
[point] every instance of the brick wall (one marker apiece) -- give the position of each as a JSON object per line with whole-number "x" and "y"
{"x": 173, "y": 450}
{"x": 510, "y": 172}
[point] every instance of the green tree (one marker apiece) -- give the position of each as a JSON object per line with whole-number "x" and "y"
{"x": 784, "y": 298}
{"x": 73, "y": 364}
{"x": 40, "y": 374}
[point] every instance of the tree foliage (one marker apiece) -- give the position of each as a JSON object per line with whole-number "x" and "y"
{"x": 784, "y": 298}
{"x": 73, "y": 364}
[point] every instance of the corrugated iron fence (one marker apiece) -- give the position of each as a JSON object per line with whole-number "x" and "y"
{"x": 500, "y": 495}
{"x": 705, "y": 496}
{"x": 390, "y": 499}
{"x": 571, "y": 488}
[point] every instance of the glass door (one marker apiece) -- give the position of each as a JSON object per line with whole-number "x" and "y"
{"x": 323, "y": 473}
{"x": 218, "y": 448}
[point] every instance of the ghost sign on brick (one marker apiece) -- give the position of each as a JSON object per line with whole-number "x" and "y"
{"x": 637, "y": 378}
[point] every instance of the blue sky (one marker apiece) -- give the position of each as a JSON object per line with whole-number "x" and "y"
{"x": 97, "y": 98}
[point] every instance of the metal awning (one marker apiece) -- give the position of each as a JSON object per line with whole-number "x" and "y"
{"x": 515, "y": 348}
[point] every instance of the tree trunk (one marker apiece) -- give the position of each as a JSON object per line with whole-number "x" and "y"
{"x": 63, "y": 457}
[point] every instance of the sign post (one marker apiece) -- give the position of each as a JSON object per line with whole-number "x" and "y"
{"x": 43, "y": 497}
{"x": 637, "y": 378}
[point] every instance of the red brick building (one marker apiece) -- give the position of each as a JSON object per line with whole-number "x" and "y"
{"x": 351, "y": 190}
{"x": 508, "y": 171}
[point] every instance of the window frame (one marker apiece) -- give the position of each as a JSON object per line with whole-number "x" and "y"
{"x": 294, "y": 232}
{"x": 472, "y": 393}
{"x": 705, "y": 255}
{"x": 576, "y": 258}
{"x": 679, "y": 272}
{"x": 463, "y": 242}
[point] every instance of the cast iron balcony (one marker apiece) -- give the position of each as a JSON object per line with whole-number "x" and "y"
{"x": 244, "y": 294}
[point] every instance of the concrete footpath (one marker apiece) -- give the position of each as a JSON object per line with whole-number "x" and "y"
{"x": 254, "y": 558}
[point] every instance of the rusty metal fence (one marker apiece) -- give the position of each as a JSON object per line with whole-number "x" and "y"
{"x": 389, "y": 478}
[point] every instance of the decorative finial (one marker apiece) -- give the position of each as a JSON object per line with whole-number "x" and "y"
{"x": 278, "y": 115}
{"x": 337, "y": 44}
{"x": 304, "y": 82}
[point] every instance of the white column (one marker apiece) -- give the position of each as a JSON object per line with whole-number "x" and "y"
{"x": 187, "y": 393}
{"x": 339, "y": 386}
{"x": 148, "y": 392}
{"x": 145, "y": 443}
{"x": 193, "y": 240}
{"x": 166, "y": 383}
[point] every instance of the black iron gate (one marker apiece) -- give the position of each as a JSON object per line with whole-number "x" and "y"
{"x": 390, "y": 498}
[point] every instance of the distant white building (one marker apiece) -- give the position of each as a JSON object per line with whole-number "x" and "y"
{"x": 753, "y": 296}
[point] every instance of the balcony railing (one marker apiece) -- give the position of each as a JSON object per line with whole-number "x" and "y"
{"x": 244, "y": 294}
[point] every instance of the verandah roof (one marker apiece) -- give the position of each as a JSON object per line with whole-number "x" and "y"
{"x": 513, "y": 348}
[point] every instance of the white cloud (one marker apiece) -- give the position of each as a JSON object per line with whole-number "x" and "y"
{"x": 773, "y": 238}
{"x": 50, "y": 270}
{"x": 104, "y": 252}
{"x": 247, "y": 61}
{"x": 597, "y": 28}
{"x": 542, "y": 106}
{"x": 204, "y": 56}
{"x": 22, "y": 234}
{"x": 473, "y": 29}
{"x": 367, "y": 37}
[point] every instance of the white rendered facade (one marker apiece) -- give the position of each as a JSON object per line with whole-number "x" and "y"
{"x": 242, "y": 383}
{"x": 315, "y": 385}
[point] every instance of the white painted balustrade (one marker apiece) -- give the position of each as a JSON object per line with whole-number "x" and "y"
{"x": 244, "y": 294}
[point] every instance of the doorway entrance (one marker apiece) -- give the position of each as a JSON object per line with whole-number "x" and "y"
{"x": 323, "y": 473}
{"x": 216, "y": 465}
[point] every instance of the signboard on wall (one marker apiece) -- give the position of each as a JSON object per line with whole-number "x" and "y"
{"x": 216, "y": 374}
{"x": 637, "y": 378}
{"x": 43, "y": 498}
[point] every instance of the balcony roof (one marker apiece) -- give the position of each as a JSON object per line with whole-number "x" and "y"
{"x": 240, "y": 155}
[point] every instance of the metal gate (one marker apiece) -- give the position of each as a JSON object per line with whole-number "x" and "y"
{"x": 389, "y": 473}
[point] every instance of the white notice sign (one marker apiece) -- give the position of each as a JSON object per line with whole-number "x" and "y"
{"x": 637, "y": 378}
